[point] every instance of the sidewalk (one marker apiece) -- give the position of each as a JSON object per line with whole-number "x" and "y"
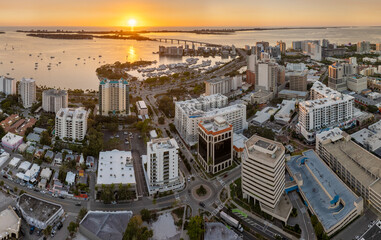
{"x": 265, "y": 221}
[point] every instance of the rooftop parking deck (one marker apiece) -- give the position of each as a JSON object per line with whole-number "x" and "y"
{"x": 331, "y": 200}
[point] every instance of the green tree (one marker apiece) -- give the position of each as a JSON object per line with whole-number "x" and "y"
{"x": 161, "y": 120}
{"x": 2, "y": 132}
{"x": 195, "y": 228}
{"x": 272, "y": 118}
{"x": 72, "y": 228}
{"x": 48, "y": 230}
{"x": 45, "y": 138}
{"x": 135, "y": 230}
{"x": 82, "y": 213}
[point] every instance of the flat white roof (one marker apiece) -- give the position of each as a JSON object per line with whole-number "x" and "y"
{"x": 14, "y": 162}
{"x": 70, "y": 177}
{"x": 142, "y": 104}
{"x": 25, "y": 165}
{"x": 9, "y": 222}
{"x": 115, "y": 167}
{"x": 11, "y": 139}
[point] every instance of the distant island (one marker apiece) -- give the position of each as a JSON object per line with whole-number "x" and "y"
{"x": 119, "y": 70}
{"x": 198, "y": 31}
{"x": 86, "y": 35}
{"x": 60, "y": 36}
{"x": 2, "y": 32}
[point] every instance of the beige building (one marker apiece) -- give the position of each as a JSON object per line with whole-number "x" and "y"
{"x": 282, "y": 46}
{"x": 10, "y": 224}
{"x": 215, "y": 145}
{"x": 142, "y": 108}
{"x": 298, "y": 81}
{"x": 113, "y": 97}
{"x": 357, "y": 83}
{"x": 263, "y": 176}
{"x": 53, "y": 100}
{"x": 357, "y": 167}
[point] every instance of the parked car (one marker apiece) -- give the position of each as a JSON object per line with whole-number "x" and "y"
{"x": 202, "y": 204}
{"x": 61, "y": 197}
{"x": 59, "y": 225}
{"x": 31, "y": 230}
{"x": 78, "y": 204}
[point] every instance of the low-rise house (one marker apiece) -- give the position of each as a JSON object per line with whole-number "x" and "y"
{"x": 24, "y": 166}
{"x": 58, "y": 159}
{"x": 32, "y": 173}
{"x": 22, "y": 148}
{"x": 30, "y": 150}
{"x": 42, "y": 183}
{"x": 33, "y": 137}
{"x": 49, "y": 155}
{"x": 70, "y": 178}
{"x": 82, "y": 177}
{"x": 46, "y": 173}
{"x": 14, "y": 162}
{"x": 39, "y": 153}
{"x": 90, "y": 162}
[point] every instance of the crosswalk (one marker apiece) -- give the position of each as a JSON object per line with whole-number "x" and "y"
{"x": 220, "y": 206}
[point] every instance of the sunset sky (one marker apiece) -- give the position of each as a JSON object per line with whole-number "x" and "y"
{"x": 190, "y": 13}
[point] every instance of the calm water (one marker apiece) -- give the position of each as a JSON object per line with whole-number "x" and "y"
{"x": 74, "y": 73}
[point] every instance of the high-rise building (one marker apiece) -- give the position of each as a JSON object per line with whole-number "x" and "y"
{"x": 298, "y": 81}
{"x": 262, "y": 46}
{"x": 113, "y": 97}
{"x": 263, "y": 176}
{"x": 281, "y": 74}
{"x": 363, "y": 47}
{"x": 215, "y": 144}
{"x": 162, "y": 163}
{"x": 282, "y": 46}
{"x": 190, "y": 112}
{"x": 71, "y": 124}
{"x": 338, "y": 73}
{"x": 53, "y": 100}
{"x": 222, "y": 85}
{"x": 328, "y": 108}
{"x": 378, "y": 47}
{"x": 7, "y": 85}
{"x": 27, "y": 91}
{"x": 266, "y": 76}
{"x": 251, "y": 62}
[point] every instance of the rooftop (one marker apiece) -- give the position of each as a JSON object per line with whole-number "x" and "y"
{"x": 215, "y": 126}
{"x": 115, "y": 167}
{"x": 73, "y": 113}
{"x": 239, "y": 141}
{"x": 162, "y": 143}
{"x": 358, "y": 161}
{"x": 328, "y": 196}
{"x": 36, "y": 208}
{"x": 142, "y": 105}
{"x": 55, "y": 92}
{"x": 106, "y": 225}
{"x": 265, "y": 149}
{"x": 9, "y": 222}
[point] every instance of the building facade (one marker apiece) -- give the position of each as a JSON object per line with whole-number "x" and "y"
{"x": 27, "y": 91}
{"x": 282, "y": 46}
{"x": 363, "y": 47}
{"x": 189, "y": 113}
{"x": 263, "y": 175}
{"x": 338, "y": 73}
{"x": 298, "y": 81}
{"x": 215, "y": 145}
{"x": 71, "y": 124}
{"x": 162, "y": 163}
{"x": 142, "y": 108}
{"x": 7, "y": 85}
{"x": 114, "y": 97}
{"x": 53, "y": 100}
{"x": 327, "y": 108}
{"x": 222, "y": 85}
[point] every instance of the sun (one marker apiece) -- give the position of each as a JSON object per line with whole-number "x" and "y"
{"x": 132, "y": 22}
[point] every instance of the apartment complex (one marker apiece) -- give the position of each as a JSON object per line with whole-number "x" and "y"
{"x": 71, "y": 124}
{"x": 222, "y": 85}
{"x": 357, "y": 83}
{"x": 309, "y": 47}
{"x": 363, "y": 47}
{"x": 190, "y": 112}
{"x": 162, "y": 163}
{"x": 215, "y": 144}
{"x": 7, "y": 85}
{"x": 171, "y": 51}
{"x": 298, "y": 81}
{"x": 53, "y": 100}
{"x": 263, "y": 176}
{"x": 27, "y": 91}
{"x": 357, "y": 167}
{"x": 266, "y": 76}
{"x": 327, "y": 108}
{"x": 113, "y": 97}
{"x": 338, "y": 73}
